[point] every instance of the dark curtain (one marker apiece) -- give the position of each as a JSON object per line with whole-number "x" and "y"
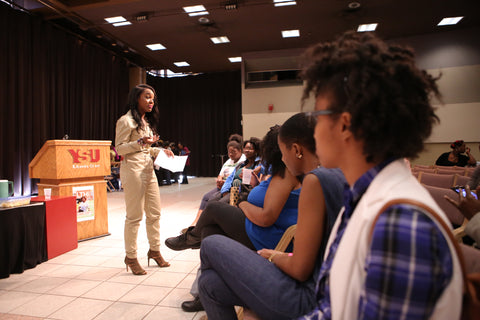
{"x": 52, "y": 83}
{"x": 201, "y": 112}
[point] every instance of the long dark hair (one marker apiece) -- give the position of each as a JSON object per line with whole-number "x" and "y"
{"x": 153, "y": 117}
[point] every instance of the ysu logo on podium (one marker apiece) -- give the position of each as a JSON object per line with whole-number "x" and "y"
{"x": 90, "y": 156}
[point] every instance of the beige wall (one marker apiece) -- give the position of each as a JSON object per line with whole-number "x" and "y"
{"x": 286, "y": 102}
{"x": 459, "y": 114}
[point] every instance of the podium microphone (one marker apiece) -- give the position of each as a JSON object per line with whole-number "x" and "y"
{"x": 65, "y": 137}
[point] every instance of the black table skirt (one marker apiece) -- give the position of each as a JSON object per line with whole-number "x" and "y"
{"x": 22, "y": 238}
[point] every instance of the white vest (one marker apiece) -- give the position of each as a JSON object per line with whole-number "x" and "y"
{"x": 347, "y": 275}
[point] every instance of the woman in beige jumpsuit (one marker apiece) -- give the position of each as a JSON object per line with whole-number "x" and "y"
{"x": 135, "y": 133}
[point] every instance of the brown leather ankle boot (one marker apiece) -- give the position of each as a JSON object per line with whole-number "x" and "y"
{"x": 157, "y": 256}
{"x": 134, "y": 266}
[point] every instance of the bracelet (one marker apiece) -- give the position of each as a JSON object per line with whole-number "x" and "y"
{"x": 140, "y": 142}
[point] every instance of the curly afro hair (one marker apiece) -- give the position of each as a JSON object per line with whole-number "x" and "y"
{"x": 387, "y": 95}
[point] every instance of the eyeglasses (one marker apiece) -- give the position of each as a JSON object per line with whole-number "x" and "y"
{"x": 319, "y": 113}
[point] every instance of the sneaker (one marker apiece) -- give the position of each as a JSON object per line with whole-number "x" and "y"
{"x": 183, "y": 241}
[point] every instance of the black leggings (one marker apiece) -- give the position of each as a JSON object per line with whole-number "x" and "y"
{"x": 222, "y": 218}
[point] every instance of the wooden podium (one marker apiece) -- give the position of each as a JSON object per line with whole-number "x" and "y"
{"x": 68, "y": 165}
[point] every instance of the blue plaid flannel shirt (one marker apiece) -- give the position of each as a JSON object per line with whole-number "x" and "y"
{"x": 408, "y": 267}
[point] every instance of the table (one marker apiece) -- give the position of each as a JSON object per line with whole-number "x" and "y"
{"x": 60, "y": 224}
{"x": 22, "y": 238}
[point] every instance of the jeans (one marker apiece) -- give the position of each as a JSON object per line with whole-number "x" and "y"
{"x": 233, "y": 275}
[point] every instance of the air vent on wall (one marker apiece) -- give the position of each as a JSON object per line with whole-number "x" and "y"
{"x": 271, "y": 78}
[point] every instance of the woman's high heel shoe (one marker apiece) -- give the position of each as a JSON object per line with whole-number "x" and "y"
{"x": 155, "y": 255}
{"x": 134, "y": 266}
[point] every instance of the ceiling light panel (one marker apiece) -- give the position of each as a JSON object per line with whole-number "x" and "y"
{"x": 182, "y": 64}
{"x": 218, "y": 40}
{"x": 367, "y": 27}
{"x": 115, "y": 19}
{"x": 278, "y": 3}
{"x": 199, "y": 13}
{"x": 194, "y": 9}
{"x": 290, "y": 33}
{"x": 235, "y": 59}
{"x": 449, "y": 21}
{"x": 121, "y": 24}
{"x": 155, "y": 46}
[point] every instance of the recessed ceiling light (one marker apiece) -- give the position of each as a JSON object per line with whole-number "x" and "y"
{"x": 235, "y": 59}
{"x": 218, "y": 40}
{"x": 191, "y": 9}
{"x": 181, "y": 64}
{"x": 115, "y": 19}
{"x": 290, "y": 33}
{"x": 155, "y": 46}
{"x": 199, "y": 13}
{"x": 367, "y": 27}
{"x": 449, "y": 21}
{"x": 281, "y": 3}
{"x": 120, "y": 24}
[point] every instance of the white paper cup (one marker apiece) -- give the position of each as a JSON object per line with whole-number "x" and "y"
{"x": 47, "y": 192}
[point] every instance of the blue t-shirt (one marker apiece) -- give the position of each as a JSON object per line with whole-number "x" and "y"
{"x": 268, "y": 237}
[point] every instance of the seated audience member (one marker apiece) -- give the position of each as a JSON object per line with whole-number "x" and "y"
{"x": 470, "y": 208}
{"x": 235, "y": 156}
{"x": 164, "y": 176}
{"x": 456, "y": 156}
{"x": 251, "y": 150}
{"x": 114, "y": 156}
{"x": 266, "y": 219}
{"x": 373, "y": 109}
{"x": 270, "y": 209}
{"x": 474, "y": 181}
{"x": 184, "y": 151}
{"x": 281, "y": 285}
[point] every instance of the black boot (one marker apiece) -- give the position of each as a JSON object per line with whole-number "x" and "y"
{"x": 184, "y": 241}
{"x": 193, "y": 305}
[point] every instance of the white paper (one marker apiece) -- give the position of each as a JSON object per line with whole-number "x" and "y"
{"x": 247, "y": 176}
{"x": 175, "y": 164}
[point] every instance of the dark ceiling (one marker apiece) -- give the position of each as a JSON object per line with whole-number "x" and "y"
{"x": 255, "y": 25}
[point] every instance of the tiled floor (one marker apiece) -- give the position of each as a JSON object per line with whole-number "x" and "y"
{"x": 90, "y": 282}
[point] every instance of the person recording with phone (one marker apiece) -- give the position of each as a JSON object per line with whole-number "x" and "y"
{"x": 469, "y": 205}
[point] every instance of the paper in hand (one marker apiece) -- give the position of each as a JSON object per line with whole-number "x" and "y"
{"x": 175, "y": 164}
{"x": 247, "y": 176}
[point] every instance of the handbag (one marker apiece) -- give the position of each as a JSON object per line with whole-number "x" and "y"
{"x": 471, "y": 281}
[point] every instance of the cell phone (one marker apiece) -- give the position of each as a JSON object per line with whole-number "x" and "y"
{"x": 464, "y": 192}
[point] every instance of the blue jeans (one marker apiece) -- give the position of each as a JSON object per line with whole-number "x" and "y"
{"x": 233, "y": 275}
